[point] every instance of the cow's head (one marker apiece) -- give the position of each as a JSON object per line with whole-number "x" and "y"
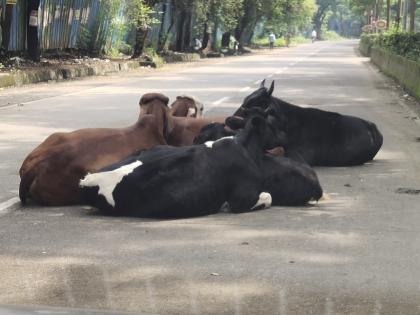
{"x": 187, "y": 106}
{"x": 148, "y": 100}
{"x": 260, "y": 98}
{"x": 256, "y": 125}
{"x": 157, "y": 104}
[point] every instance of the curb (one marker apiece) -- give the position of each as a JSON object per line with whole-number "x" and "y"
{"x": 65, "y": 72}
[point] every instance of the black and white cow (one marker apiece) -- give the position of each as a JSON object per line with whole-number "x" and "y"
{"x": 187, "y": 181}
{"x": 289, "y": 182}
{"x": 316, "y": 136}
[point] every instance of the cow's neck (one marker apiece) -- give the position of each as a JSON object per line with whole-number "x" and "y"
{"x": 251, "y": 141}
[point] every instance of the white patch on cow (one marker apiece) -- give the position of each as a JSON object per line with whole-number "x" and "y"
{"x": 265, "y": 199}
{"x": 209, "y": 144}
{"x": 191, "y": 112}
{"x": 107, "y": 181}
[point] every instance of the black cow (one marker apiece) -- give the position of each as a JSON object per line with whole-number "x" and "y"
{"x": 187, "y": 181}
{"x": 289, "y": 182}
{"x": 318, "y": 137}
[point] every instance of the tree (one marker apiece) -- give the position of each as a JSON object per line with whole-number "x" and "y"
{"x": 321, "y": 13}
{"x": 139, "y": 16}
{"x": 217, "y": 14}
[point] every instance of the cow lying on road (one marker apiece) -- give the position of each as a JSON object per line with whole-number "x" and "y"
{"x": 289, "y": 182}
{"x": 50, "y": 174}
{"x": 187, "y": 181}
{"x": 316, "y": 136}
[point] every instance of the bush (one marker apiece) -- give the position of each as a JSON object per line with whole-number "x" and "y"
{"x": 280, "y": 42}
{"x": 331, "y": 35}
{"x": 403, "y": 44}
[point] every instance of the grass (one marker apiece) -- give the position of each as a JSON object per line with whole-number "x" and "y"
{"x": 331, "y": 35}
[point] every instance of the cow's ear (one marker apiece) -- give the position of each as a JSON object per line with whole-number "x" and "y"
{"x": 235, "y": 122}
{"x": 270, "y": 91}
{"x": 262, "y": 83}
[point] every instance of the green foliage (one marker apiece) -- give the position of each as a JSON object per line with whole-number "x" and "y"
{"x": 151, "y": 52}
{"x": 331, "y": 35}
{"x": 299, "y": 39}
{"x": 280, "y": 42}
{"x": 139, "y": 13}
{"x": 224, "y": 13}
{"x": 403, "y": 44}
{"x": 84, "y": 39}
{"x": 400, "y": 43}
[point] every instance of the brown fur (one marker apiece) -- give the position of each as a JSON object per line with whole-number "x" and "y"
{"x": 185, "y": 129}
{"x": 51, "y": 173}
{"x": 181, "y": 106}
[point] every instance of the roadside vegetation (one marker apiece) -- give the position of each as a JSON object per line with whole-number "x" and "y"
{"x": 148, "y": 28}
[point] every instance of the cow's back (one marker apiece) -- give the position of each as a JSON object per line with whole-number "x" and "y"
{"x": 330, "y": 139}
{"x": 52, "y": 171}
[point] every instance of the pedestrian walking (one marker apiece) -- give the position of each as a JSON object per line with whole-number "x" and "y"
{"x": 271, "y": 39}
{"x": 313, "y": 36}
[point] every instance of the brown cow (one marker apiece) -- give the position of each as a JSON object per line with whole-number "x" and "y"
{"x": 51, "y": 173}
{"x": 185, "y": 129}
{"x": 186, "y": 106}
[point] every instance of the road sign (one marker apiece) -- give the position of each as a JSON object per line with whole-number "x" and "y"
{"x": 11, "y": 2}
{"x": 381, "y": 24}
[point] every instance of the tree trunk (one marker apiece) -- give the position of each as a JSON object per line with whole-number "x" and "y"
{"x": 206, "y": 37}
{"x": 32, "y": 30}
{"x": 388, "y": 13}
{"x": 398, "y": 17}
{"x": 161, "y": 36}
{"x": 214, "y": 37}
{"x": 141, "y": 34}
{"x": 405, "y": 14}
{"x": 226, "y": 39}
{"x": 5, "y": 27}
{"x": 187, "y": 31}
{"x": 180, "y": 31}
{"x": 412, "y": 15}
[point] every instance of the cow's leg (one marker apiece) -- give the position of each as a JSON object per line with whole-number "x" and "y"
{"x": 243, "y": 200}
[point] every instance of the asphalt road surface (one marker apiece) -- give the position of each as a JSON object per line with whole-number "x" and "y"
{"x": 356, "y": 252}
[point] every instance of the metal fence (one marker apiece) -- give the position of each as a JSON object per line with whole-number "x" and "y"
{"x": 80, "y": 24}
{"x": 18, "y": 25}
{"x": 62, "y": 22}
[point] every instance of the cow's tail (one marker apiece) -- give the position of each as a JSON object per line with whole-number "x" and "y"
{"x": 26, "y": 181}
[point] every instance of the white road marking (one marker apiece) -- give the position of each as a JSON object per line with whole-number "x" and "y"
{"x": 221, "y": 100}
{"x": 5, "y": 206}
{"x": 245, "y": 89}
{"x": 107, "y": 181}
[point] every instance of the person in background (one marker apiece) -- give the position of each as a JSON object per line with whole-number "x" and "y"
{"x": 271, "y": 39}
{"x": 287, "y": 39}
{"x": 197, "y": 44}
{"x": 313, "y": 36}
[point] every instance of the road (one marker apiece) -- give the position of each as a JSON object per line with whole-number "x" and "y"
{"x": 356, "y": 252}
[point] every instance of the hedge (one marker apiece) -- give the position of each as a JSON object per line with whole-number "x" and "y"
{"x": 403, "y": 44}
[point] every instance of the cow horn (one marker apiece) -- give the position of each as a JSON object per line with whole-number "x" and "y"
{"x": 270, "y": 91}
{"x": 262, "y": 83}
